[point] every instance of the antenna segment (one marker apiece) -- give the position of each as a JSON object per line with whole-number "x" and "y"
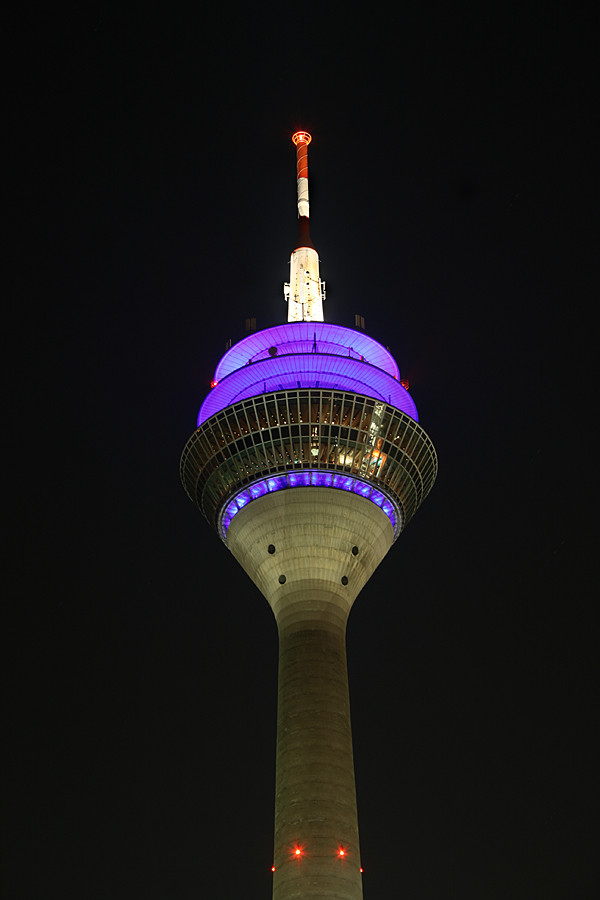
{"x": 305, "y": 292}
{"x": 302, "y": 139}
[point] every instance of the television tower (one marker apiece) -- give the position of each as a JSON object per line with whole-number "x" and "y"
{"x": 308, "y": 461}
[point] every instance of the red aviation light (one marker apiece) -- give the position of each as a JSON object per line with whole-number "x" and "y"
{"x": 297, "y": 851}
{"x": 213, "y": 384}
{"x": 341, "y": 852}
{"x": 301, "y": 137}
{"x": 272, "y": 868}
{"x": 404, "y": 383}
{"x": 361, "y": 870}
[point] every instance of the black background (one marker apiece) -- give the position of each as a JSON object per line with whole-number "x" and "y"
{"x": 451, "y": 203}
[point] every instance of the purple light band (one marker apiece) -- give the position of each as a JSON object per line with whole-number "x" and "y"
{"x": 302, "y": 337}
{"x": 310, "y": 478}
{"x": 316, "y": 370}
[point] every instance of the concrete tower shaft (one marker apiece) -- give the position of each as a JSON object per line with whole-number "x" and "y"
{"x": 310, "y": 551}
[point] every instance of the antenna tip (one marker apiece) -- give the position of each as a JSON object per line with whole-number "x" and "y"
{"x": 301, "y": 137}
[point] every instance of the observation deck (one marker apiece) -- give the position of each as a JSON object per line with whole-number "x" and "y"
{"x": 308, "y": 437}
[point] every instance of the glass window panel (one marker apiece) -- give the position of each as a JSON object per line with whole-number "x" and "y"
{"x": 321, "y": 479}
{"x": 216, "y": 434}
{"x": 345, "y": 482}
{"x": 361, "y": 488}
{"x": 336, "y": 408}
{"x": 386, "y": 420}
{"x": 299, "y": 479}
{"x": 258, "y": 489}
{"x": 243, "y": 420}
{"x": 262, "y": 415}
{"x": 270, "y": 454}
{"x": 251, "y": 417}
{"x": 232, "y": 509}
{"x": 357, "y": 412}
{"x": 366, "y": 415}
{"x": 315, "y": 408}
{"x": 347, "y": 409}
{"x": 293, "y": 408}
{"x": 242, "y": 499}
{"x": 277, "y": 483}
{"x": 232, "y": 423}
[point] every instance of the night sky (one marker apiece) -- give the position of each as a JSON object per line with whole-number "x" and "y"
{"x": 452, "y": 204}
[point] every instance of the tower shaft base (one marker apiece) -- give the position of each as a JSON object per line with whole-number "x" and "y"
{"x": 310, "y": 551}
{"x": 315, "y": 798}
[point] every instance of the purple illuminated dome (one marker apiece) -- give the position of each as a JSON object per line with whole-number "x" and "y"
{"x": 309, "y": 461}
{"x": 307, "y": 355}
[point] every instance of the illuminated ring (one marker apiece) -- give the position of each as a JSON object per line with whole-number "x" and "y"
{"x": 310, "y": 478}
{"x": 301, "y": 137}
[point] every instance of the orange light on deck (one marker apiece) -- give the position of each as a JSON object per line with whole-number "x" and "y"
{"x": 404, "y": 383}
{"x": 213, "y": 384}
{"x": 301, "y": 137}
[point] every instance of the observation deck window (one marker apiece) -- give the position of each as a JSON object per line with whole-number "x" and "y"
{"x": 218, "y": 459}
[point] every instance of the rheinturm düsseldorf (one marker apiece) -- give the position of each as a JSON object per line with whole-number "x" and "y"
{"x": 308, "y": 461}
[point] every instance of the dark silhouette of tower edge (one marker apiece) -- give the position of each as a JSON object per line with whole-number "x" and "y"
{"x": 308, "y": 461}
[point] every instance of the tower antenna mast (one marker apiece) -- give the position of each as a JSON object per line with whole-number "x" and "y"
{"x": 305, "y": 292}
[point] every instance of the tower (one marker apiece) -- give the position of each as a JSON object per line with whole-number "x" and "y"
{"x": 308, "y": 461}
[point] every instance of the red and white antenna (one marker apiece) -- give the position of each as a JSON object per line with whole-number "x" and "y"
{"x": 305, "y": 292}
{"x": 302, "y": 139}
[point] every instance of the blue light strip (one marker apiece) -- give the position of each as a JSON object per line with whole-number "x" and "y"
{"x": 309, "y": 478}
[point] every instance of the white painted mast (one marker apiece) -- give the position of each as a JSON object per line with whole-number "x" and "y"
{"x": 305, "y": 292}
